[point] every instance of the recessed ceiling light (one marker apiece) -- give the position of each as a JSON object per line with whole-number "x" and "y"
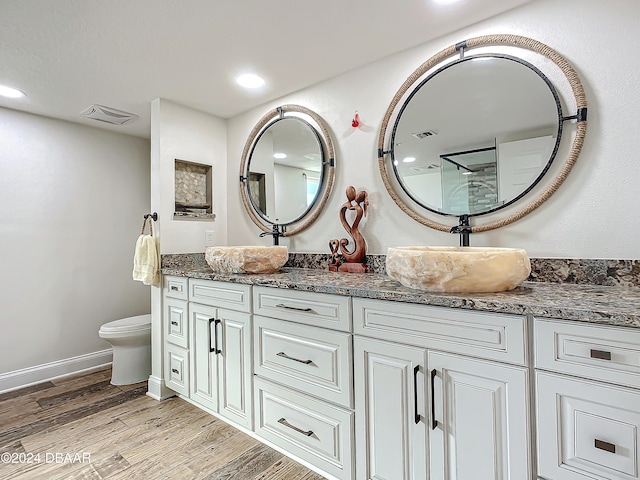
{"x": 250, "y": 80}
{"x": 279, "y": 155}
{"x": 11, "y": 92}
{"x": 444, "y": 2}
{"x": 409, "y": 159}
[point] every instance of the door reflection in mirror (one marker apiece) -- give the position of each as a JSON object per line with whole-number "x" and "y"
{"x": 288, "y": 158}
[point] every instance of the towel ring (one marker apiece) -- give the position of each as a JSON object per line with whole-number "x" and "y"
{"x": 144, "y": 224}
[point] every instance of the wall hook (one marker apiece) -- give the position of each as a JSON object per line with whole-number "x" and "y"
{"x": 356, "y": 120}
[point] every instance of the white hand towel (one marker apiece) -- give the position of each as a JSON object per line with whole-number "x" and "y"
{"x": 146, "y": 265}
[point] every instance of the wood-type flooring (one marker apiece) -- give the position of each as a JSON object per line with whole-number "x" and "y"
{"x": 82, "y": 427}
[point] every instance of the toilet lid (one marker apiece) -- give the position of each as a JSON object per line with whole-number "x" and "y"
{"x": 129, "y": 324}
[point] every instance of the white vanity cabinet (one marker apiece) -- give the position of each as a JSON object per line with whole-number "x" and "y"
{"x": 588, "y": 401}
{"x": 220, "y": 353}
{"x": 303, "y": 389}
{"x": 175, "y": 327}
{"x": 440, "y": 393}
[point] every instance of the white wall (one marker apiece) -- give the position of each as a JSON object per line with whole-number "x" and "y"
{"x": 591, "y": 216}
{"x": 72, "y": 203}
{"x": 182, "y": 133}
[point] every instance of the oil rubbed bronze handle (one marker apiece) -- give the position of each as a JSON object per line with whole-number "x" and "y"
{"x": 175, "y": 370}
{"x": 282, "y": 305}
{"x": 434, "y": 422}
{"x": 284, "y": 355}
{"x": 216, "y": 350}
{"x": 416, "y": 415}
{"x": 284, "y": 422}
{"x": 606, "y": 446}
{"x": 600, "y": 354}
{"x": 175, "y": 288}
{"x": 212, "y": 345}
{"x": 173, "y": 322}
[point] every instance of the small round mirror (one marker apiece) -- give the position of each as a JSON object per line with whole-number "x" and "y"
{"x": 287, "y": 170}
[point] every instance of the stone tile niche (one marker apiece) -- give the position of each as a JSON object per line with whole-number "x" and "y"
{"x": 193, "y": 191}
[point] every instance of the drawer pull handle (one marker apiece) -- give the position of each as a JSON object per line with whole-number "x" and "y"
{"x": 173, "y": 322}
{"x": 175, "y": 370}
{"x": 174, "y": 288}
{"x": 283, "y": 421}
{"x": 600, "y": 354}
{"x": 606, "y": 446}
{"x": 284, "y": 355}
{"x": 282, "y": 305}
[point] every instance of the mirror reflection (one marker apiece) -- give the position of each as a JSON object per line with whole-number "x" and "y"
{"x": 285, "y": 170}
{"x": 476, "y": 135}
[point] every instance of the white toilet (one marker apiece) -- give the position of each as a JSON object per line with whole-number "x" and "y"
{"x": 131, "y": 341}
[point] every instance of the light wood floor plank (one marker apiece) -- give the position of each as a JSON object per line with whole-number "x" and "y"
{"x": 127, "y": 435}
{"x": 199, "y": 467}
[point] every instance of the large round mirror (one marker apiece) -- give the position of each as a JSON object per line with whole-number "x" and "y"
{"x": 287, "y": 170}
{"x": 471, "y": 132}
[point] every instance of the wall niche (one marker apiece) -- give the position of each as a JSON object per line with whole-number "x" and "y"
{"x": 193, "y": 190}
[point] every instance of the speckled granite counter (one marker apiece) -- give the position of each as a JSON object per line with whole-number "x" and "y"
{"x": 587, "y": 303}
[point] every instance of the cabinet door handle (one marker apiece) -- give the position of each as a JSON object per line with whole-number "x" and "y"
{"x": 606, "y": 446}
{"x": 175, "y": 370}
{"x": 284, "y": 422}
{"x": 284, "y": 355}
{"x": 212, "y": 345}
{"x": 434, "y": 422}
{"x": 600, "y": 354}
{"x": 173, "y": 322}
{"x": 216, "y": 322}
{"x": 174, "y": 288}
{"x": 416, "y": 415}
{"x": 299, "y": 309}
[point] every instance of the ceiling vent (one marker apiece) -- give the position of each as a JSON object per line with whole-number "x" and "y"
{"x": 108, "y": 115}
{"x": 422, "y": 135}
{"x": 424, "y": 168}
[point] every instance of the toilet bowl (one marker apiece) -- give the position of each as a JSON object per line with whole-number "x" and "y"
{"x": 131, "y": 341}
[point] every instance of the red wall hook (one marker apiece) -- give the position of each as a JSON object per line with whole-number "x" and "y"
{"x": 356, "y": 120}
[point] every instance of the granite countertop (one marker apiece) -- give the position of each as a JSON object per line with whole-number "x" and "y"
{"x": 586, "y": 303}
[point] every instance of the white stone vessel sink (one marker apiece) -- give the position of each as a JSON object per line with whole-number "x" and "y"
{"x": 246, "y": 259}
{"x": 458, "y": 269}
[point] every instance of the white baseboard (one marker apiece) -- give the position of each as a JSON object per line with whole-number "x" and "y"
{"x": 48, "y": 371}
{"x": 158, "y": 390}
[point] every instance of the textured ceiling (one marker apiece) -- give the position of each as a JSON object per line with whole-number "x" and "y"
{"x": 69, "y": 54}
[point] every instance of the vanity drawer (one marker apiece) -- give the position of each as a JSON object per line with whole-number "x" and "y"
{"x": 314, "y": 360}
{"x": 586, "y": 430}
{"x": 176, "y": 363}
{"x": 313, "y": 430}
{"x": 610, "y": 354}
{"x": 310, "y": 308}
{"x": 176, "y": 287}
{"x": 493, "y": 336}
{"x": 176, "y": 322}
{"x": 233, "y": 296}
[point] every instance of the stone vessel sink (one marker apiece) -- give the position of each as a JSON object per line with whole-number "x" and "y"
{"x": 458, "y": 269}
{"x": 246, "y": 259}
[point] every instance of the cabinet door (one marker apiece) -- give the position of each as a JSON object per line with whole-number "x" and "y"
{"x": 204, "y": 360}
{"x": 234, "y": 367}
{"x": 480, "y": 421}
{"x": 391, "y": 431}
